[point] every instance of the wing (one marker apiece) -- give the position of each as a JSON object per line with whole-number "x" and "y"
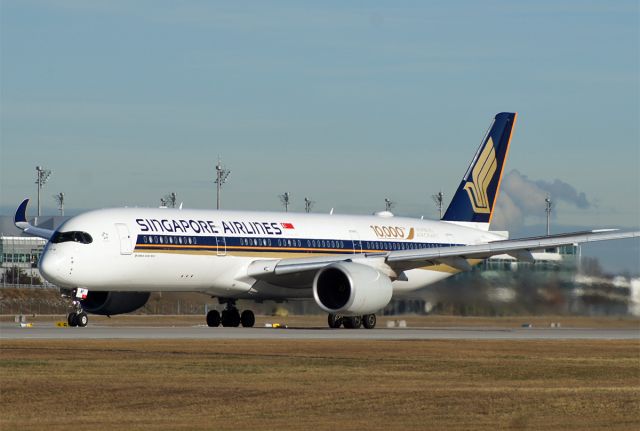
{"x": 456, "y": 256}
{"x": 20, "y": 220}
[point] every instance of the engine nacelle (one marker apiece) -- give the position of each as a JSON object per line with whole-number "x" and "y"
{"x": 351, "y": 289}
{"x": 112, "y": 303}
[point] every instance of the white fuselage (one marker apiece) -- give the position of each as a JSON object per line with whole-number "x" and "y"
{"x": 147, "y": 249}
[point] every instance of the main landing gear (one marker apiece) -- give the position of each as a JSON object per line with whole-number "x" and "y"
{"x": 230, "y": 316}
{"x": 352, "y": 322}
{"x": 77, "y": 317}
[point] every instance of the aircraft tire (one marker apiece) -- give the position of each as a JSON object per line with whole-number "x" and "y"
{"x": 72, "y": 319}
{"x": 248, "y": 319}
{"x": 231, "y": 318}
{"x": 334, "y": 321}
{"x": 353, "y": 322}
{"x": 369, "y": 321}
{"x": 225, "y": 318}
{"x": 357, "y": 321}
{"x": 213, "y": 318}
{"x": 82, "y": 319}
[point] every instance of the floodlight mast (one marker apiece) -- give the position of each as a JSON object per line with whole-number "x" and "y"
{"x": 548, "y": 203}
{"x": 221, "y": 178}
{"x": 388, "y": 204}
{"x": 42, "y": 176}
{"x": 308, "y": 204}
{"x": 438, "y": 198}
{"x": 60, "y": 200}
{"x": 169, "y": 200}
{"x": 285, "y": 199}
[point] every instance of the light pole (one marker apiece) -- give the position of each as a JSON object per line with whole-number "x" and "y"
{"x": 221, "y": 178}
{"x": 438, "y": 198}
{"x": 60, "y": 200}
{"x": 548, "y": 211}
{"x": 169, "y": 200}
{"x": 388, "y": 204}
{"x": 42, "y": 175}
{"x": 308, "y": 204}
{"x": 285, "y": 199}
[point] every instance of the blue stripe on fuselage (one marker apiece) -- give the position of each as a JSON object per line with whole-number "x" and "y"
{"x": 263, "y": 244}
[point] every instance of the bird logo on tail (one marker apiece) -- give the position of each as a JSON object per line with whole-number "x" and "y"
{"x": 482, "y": 175}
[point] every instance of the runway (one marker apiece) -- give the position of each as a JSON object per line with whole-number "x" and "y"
{"x": 47, "y": 331}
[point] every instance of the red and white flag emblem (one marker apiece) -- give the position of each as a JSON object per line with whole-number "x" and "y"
{"x": 287, "y": 225}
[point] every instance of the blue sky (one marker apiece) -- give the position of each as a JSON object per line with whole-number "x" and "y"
{"x": 345, "y": 102}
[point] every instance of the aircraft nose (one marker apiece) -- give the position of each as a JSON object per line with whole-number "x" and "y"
{"x": 52, "y": 267}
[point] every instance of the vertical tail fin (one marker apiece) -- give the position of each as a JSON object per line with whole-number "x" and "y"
{"x": 476, "y": 196}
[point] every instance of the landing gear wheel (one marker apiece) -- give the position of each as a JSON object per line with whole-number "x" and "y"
{"x": 82, "y": 319}
{"x": 231, "y": 318}
{"x": 369, "y": 321}
{"x": 352, "y": 322}
{"x": 213, "y": 318}
{"x": 72, "y": 319}
{"x": 334, "y": 321}
{"x": 248, "y": 319}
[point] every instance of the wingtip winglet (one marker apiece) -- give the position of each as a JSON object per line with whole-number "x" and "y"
{"x": 21, "y": 213}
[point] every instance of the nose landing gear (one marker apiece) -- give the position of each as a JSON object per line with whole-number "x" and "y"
{"x": 77, "y": 317}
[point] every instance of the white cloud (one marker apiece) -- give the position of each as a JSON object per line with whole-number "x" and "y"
{"x": 522, "y": 199}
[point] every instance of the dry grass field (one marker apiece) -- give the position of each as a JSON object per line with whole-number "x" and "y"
{"x": 296, "y": 384}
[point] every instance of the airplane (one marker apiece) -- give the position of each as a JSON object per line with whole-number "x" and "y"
{"x": 108, "y": 261}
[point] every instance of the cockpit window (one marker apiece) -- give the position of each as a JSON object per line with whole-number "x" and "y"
{"x": 76, "y": 236}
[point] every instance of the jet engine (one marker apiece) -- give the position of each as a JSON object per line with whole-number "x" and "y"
{"x": 349, "y": 288}
{"x": 111, "y": 303}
